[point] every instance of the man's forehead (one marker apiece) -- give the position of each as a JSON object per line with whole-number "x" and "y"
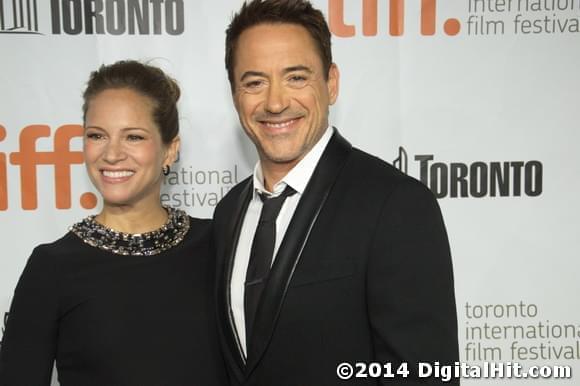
{"x": 275, "y": 35}
{"x": 276, "y": 45}
{"x": 279, "y": 27}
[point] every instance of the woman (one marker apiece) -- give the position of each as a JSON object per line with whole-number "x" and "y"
{"x": 124, "y": 298}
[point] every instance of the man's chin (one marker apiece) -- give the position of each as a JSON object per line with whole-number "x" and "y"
{"x": 280, "y": 158}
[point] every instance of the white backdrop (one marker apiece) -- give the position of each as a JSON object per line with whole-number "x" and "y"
{"x": 477, "y": 98}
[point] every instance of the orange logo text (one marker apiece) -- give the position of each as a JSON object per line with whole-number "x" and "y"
{"x": 396, "y": 19}
{"x": 27, "y": 158}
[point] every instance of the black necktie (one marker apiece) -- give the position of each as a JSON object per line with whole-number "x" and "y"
{"x": 261, "y": 255}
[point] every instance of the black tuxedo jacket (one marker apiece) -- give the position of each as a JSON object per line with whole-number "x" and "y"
{"x": 363, "y": 275}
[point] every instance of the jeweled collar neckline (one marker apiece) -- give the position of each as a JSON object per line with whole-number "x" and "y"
{"x": 136, "y": 244}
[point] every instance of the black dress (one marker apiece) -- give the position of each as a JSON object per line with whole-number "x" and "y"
{"x": 115, "y": 320}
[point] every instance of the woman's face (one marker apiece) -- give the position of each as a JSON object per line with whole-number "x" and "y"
{"x": 124, "y": 153}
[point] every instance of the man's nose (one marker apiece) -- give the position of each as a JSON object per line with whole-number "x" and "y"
{"x": 277, "y": 98}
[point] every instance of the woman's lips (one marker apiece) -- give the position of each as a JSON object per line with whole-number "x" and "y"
{"x": 116, "y": 176}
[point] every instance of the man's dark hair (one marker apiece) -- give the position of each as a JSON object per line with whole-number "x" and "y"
{"x": 298, "y": 12}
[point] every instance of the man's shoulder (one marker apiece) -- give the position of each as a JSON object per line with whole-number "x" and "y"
{"x": 373, "y": 181}
{"x": 232, "y": 196}
{"x": 370, "y": 166}
{"x": 378, "y": 177}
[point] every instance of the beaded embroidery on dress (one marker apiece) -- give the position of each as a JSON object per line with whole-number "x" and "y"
{"x": 138, "y": 244}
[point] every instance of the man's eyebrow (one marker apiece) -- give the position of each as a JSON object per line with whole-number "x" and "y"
{"x": 287, "y": 70}
{"x": 298, "y": 68}
{"x": 251, "y": 73}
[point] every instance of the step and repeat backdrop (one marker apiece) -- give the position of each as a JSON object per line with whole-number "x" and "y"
{"x": 478, "y": 99}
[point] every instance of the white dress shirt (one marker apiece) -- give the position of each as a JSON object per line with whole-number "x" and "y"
{"x": 297, "y": 178}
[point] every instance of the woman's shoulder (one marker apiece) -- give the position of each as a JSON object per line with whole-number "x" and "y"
{"x": 57, "y": 249}
{"x": 71, "y": 245}
{"x": 48, "y": 259}
{"x": 65, "y": 241}
{"x": 197, "y": 223}
{"x": 199, "y": 230}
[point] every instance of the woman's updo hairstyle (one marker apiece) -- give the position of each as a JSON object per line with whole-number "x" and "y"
{"x": 146, "y": 80}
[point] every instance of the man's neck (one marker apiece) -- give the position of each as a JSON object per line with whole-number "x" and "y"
{"x": 274, "y": 172}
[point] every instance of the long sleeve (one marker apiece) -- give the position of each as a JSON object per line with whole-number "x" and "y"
{"x": 29, "y": 343}
{"x": 411, "y": 300}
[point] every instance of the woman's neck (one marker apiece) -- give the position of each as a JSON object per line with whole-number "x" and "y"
{"x": 131, "y": 219}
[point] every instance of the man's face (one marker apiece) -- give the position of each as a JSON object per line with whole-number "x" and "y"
{"x": 280, "y": 92}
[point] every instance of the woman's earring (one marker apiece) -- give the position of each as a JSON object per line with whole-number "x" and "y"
{"x": 165, "y": 170}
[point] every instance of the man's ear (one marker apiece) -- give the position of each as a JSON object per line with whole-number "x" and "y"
{"x": 234, "y": 96}
{"x": 333, "y": 83}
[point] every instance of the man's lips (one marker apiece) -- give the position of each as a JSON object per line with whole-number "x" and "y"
{"x": 279, "y": 124}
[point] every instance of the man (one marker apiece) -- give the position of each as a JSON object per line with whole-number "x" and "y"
{"x": 326, "y": 254}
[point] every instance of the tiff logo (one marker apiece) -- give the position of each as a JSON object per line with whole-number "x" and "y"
{"x": 396, "y": 19}
{"x": 401, "y": 161}
{"x": 18, "y": 17}
{"x": 27, "y": 158}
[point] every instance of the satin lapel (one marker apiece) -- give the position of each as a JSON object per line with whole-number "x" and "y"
{"x": 230, "y": 343}
{"x": 288, "y": 255}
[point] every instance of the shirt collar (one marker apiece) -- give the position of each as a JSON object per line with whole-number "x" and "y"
{"x": 299, "y": 175}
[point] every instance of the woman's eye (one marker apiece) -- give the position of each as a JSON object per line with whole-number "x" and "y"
{"x": 94, "y": 136}
{"x": 135, "y": 137}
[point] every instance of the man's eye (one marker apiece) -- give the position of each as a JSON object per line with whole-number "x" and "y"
{"x": 253, "y": 84}
{"x": 297, "y": 80}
